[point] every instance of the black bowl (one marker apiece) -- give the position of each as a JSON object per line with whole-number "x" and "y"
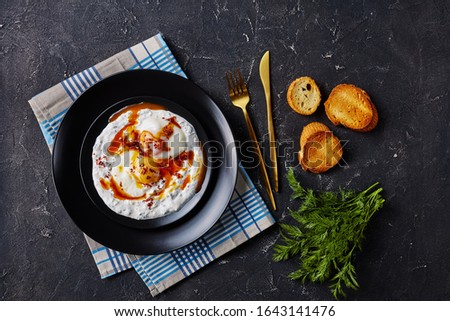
{"x": 86, "y": 165}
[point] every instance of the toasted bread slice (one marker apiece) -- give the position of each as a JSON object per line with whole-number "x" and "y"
{"x": 350, "y": 106}
{"x": 311, "y": 129}
{"x": 308, "y": 131}
{"x": 304, "y": 96}
{"x": 321, "y": 152}
{"x": 373, "y": 122}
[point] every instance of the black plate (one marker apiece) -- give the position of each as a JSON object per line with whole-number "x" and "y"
{"x": 72, "y": 167}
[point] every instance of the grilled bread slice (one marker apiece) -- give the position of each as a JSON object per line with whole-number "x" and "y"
{"x": 351, "y": 106}
{"x": 320, "y": 149}
{"x": 304, "y": 96}
{"x": 311, "y": 129}
{"x": 373, "y": 123}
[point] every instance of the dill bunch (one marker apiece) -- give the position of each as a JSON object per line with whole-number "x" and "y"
{"x": 329, "y": 229}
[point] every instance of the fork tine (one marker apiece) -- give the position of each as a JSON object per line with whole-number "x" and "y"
{"x": 229, "y": 83}
{"x": 235, "y": 83}
{"x": 243, "y": 87}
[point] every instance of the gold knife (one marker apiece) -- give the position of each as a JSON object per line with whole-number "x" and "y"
{"x": 264, "y": 73}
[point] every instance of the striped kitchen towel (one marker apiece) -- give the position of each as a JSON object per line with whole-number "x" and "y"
{"x": 245, "y": 216}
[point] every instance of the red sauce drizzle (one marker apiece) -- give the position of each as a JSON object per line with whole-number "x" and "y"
{"x": 104, "y": 183}
{"x": 120, "y": 193}
{"x": 173, "y": 121}
{"x": 186, "y": 181}
{"x": 118, "y": 190}
{"x": 134, "y": 109}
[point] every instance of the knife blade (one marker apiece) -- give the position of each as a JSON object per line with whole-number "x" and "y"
{"x": 264, "y": 73}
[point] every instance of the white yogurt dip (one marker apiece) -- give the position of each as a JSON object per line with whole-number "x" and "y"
{"x": 147, "y": 162}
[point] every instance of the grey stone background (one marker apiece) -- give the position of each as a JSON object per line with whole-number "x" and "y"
{"x": 398, "y": 51}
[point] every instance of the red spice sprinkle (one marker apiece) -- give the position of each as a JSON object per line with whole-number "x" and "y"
{"x": 100, "y": 162}
{"x": 149, "y": 202}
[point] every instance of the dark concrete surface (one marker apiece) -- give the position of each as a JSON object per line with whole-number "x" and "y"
{"x": 398, "y": 51}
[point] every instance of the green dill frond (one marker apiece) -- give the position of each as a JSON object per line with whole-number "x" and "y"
{"x": 329, "y": 227}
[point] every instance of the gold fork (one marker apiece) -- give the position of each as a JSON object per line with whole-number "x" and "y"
{"x": 240, "y": 98}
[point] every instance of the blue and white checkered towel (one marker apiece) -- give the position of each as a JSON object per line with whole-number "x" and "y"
{"x": 245, "y": 216}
